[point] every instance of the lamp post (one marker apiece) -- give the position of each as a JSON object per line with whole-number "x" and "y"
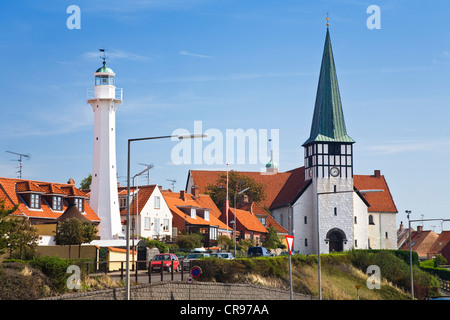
{"x": 180, "y": 137}
{"x": 318, "y": 228}
{"x": 235, "y": 218}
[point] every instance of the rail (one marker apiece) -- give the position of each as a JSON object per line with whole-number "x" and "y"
{"x": 445, "y": 285}
{"x": 118, "y": 93}
{"x": 104, "y": 267}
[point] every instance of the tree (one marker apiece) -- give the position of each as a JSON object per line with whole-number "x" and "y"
{"x": 75, "y": 232}
{"x": 272, "y": 241}
{"x": 85, "y": 184}
{"x": 16, "y": 232}
{"x": 236, "y": 183}
{"x": 189, "y": 241}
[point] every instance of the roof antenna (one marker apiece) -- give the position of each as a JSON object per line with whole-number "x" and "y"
{"x": 173, "y": 184}
{"x": 21, "y": 155}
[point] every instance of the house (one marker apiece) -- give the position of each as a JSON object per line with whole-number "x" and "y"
{"x": 149, "y": 213}
{"x": 441, "y": 246}
{"x": 195, "y": 213}
{"x": 247, "y": 224}
{"x": 323, "y": 203}
{"x": 421, "y": 242}
{"x": 43, "y": 203}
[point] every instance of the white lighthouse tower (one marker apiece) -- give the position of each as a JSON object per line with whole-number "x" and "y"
{"x": 104, "y": 99}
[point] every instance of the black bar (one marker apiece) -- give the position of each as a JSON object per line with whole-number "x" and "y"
{"x": 182, "y": 270}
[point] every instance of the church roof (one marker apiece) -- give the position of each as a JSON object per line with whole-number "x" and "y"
{"x": 328, "y": 123}
{"x": 284, "y": 188}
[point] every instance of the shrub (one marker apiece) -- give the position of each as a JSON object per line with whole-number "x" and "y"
{"x": 162, "y": 247}
{"x": 55, "y": 268}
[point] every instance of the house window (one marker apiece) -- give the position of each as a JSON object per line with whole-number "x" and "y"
{"x": 356, "y": 243}
{"x": 356, "y": 220}
{"x": 193, "y": 213}
{"x": 57, "y": 203}
{"x": 35, "y": 201}
{"x": 123, "y": 202}
{"x": 206, "y": 215}
{"x": 79, "y": 203}
{"x": 262, "y": 220}
{"x": 157, "y": 202}
{"x": 166, "y": 225}
{"x": 147, "y": 223}
{"x": 156, "y": 226}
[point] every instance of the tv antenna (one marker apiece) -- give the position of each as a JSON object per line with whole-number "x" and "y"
{"x": 149, "y": 166}
{"x": 173, "y": 183}
{"x": 21, "y": 156}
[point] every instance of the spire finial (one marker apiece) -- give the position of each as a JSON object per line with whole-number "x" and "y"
{"x": 328, "y": 19}
{"x": 104, "y": 57}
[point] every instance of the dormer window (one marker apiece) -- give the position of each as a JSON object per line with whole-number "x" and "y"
{"x": 57, "y": 203}
{"x": 206, "y": 215}
{"x": 79, "y": 203}
{"x": 35, "y": 201}
{"x": 193, "y": 213}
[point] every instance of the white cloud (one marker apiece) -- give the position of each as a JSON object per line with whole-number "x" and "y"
{"x": 185, "y": 53}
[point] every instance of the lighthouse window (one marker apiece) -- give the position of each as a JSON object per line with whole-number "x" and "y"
{"x": 104, "y": 80}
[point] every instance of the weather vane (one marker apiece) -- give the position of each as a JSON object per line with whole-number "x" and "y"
{"x": 328, "y": 19}
{"x": 104, "y": 57}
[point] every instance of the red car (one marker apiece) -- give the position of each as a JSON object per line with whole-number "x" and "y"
{"x": 166, "y": 259}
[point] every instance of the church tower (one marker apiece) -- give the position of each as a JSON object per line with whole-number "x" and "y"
{"x": 329, "y": 162}
{"x": 104, "y": 99}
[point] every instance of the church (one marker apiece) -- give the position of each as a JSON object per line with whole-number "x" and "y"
{"x": 323, "y": 204}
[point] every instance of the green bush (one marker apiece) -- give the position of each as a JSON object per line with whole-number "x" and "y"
{"x": 55, "y": 268}
{"x": 162, "y": 247}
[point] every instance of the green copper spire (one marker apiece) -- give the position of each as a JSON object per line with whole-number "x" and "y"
{"x": 328, "y": 121}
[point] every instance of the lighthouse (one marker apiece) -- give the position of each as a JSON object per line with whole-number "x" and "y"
{"x": 104, "y": 99}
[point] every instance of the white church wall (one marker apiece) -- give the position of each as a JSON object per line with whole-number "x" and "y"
{"x": 360, "y": 223}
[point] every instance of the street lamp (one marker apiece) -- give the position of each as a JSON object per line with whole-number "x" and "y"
{"x": 235, "y": 218}
{"x": 180, "y": 137}
{"x": 318, "y": 228}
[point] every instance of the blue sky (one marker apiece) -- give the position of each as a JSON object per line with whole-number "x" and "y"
{"x": 230, "y": 64}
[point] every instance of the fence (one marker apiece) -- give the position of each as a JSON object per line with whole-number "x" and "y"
{"x": 162, "y": 268}
{"x": 445, "y": 285}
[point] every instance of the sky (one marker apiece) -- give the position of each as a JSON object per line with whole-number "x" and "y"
{"x": 226, "y": 65}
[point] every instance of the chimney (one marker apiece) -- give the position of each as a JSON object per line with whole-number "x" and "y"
{"x": 377, "y": 173}
{"x": 245, "y": 198}
{"x": 71, "y": 181}
{"x": 419, "y": 229}
{"x": 195, "y": 191}
{"x": 401, "y": 226}
{"x": 182, "y": 195}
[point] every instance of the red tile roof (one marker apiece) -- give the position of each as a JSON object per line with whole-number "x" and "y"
{"x": 174, "y": 201}
{"x": 139, "y": 199}
{"x": 248, "y": 220}
{"x": 440, "y": 243}
{"x": 12, "y": 191}
{"x": 257, "y": 210}
{"x": 379, "y": 201}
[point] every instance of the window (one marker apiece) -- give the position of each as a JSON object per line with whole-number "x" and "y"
{"x": 335, "y": 211}
{"x": 156, "y": 226}
{"x": 166, "y": 225}
{"x": 147, "y": 223}
{"x": 206, "y": 215}
{"x": 123, "y": 202}
{"x": 356, "y": 243}
{"x": 386, "y": 235}
{"x": 371, "y": 220}
{"x": 35, "y": 201}
{"x": 157, "y": 202}
{"x": 79, "y": 203}
{"x": 356, "y": 220}
{"x": 263, "y": 220}
{"x": 57, "y": 203}
{"x": 306, "y": 242}
{"x": 334, "y": 149}
{"x": 306, "y": 220}
{"x": 193, "y": 213}
{"x": 212, "y": 233}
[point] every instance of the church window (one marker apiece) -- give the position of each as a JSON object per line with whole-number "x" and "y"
{"x": 356, "y": 243}
{"x": 306, "y": 242}
{"x": 335, "y": 211}
{"x": 356, "y": 220}
{"x": 334, "y": 149}
{"x": 371, "y": 220}
{"x": 386, "y": 234}
{"x": 306, "y": 220}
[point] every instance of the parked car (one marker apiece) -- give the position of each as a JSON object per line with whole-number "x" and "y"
{"x": 223, "y": 255}
{"x": 166, "y": 259}
{"x": 258, "y": 252}
{"x": 193, "y": 256}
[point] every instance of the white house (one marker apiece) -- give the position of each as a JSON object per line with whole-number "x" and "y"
{"x": 153, "y": 219}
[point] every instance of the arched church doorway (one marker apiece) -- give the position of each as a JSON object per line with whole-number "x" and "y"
{"x": 335, "y": 238}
